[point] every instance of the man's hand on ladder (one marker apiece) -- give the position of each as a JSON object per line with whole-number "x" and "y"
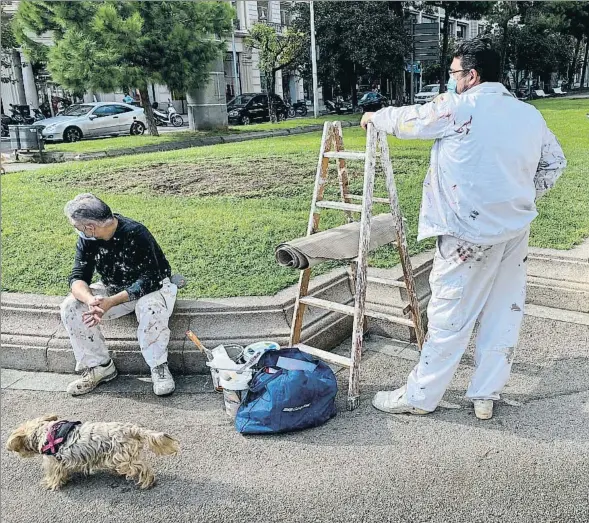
{"x": 366, "y": 118}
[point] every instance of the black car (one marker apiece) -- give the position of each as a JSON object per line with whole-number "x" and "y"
{"x": 373, "y": 101}
{"x": 248, "y": 107}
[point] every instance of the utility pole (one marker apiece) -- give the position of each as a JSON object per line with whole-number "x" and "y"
{"x": 236, "y": 82}
{"x": 412, "y": 60}
{"x": 314, "y": 62}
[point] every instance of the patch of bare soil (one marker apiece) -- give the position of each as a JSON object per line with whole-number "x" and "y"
{"x": 212, "y": 177}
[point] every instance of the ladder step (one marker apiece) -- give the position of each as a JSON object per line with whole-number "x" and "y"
{"x": 324, "y": 355}
{"x": 341, "y": 206}
{"x": 386, "y": 281}
{"x": 349, "y": 310}
{"x": 345, "y": 155}
{"x": 361, "y": 198}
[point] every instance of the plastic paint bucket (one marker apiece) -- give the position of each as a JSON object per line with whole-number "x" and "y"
{"x": 234, "y": 389}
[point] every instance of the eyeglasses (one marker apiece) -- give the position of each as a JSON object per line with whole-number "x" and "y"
{"x": 450, "y": 72}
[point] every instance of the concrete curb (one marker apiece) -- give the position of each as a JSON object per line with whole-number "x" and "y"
{"x": 33, "y": 338}
{"x": 60, "y": 157}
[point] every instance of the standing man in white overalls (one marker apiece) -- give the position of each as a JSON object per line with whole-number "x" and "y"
{"x": 493, "y": 157}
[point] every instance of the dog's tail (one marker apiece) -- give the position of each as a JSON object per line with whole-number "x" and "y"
{"x": 160, "y": 443}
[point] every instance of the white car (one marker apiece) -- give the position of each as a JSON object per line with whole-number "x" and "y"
{"x": 90, "y": 120}
{"x": 427, "y": 93}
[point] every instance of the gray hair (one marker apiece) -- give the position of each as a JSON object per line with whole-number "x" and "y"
{"x": 87, "y": 209}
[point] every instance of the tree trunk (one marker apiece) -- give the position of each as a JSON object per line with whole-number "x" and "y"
{"x": 399, "y": 94}
{"x": 151, "y": 125}
{"x": 503, "y": 50}
{"x": 443, "y": 69}
{"x": 584, "y": 70}
{"x": 271, "y": 88}
{"x": 574, "y": 64}
{"x": 354, "y": 93}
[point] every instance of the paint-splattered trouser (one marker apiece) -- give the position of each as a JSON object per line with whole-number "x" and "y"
{"x": 152, "y": 310}
{"x": 469, "y": 283}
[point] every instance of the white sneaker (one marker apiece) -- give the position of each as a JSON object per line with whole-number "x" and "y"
{"x": 395, "y": 402}
{"x": 483, "y": 409}
{"x": 91, "y": 378}
{"x": 163, "y": 382}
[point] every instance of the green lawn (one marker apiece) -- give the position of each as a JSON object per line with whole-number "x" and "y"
{"x": 219, "y": 211}
{"x": 123, "y": 142}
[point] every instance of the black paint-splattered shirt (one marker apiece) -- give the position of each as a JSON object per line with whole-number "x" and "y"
{"x": 131, "y": 260}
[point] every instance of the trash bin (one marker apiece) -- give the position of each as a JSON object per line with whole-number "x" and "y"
{"x": 26, "y": 138}
{"x": 14, "y": 134}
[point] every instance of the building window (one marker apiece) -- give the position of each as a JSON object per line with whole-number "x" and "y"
{"x": 481, "y": 29}
{"x": 262, "y": 10}
{"x": 451, "y": 30}
{"x": 461, "y": 34}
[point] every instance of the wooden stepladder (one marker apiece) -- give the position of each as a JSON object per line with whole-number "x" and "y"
{"x": 332, "y": 146}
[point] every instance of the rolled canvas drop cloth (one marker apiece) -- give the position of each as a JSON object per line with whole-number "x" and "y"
{"x": 339, "y": 243}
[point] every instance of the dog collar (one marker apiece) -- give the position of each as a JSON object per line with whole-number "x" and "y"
{"x": 57, "y": 436}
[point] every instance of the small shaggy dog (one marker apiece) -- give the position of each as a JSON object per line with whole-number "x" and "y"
{"x": 69, "y": 447}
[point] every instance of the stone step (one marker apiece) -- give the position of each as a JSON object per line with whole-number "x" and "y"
{"x": 563, "y": 294}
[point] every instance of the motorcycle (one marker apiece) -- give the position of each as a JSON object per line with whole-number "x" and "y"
{"x": 298, "y": 108}
{"x": 339, "y": 106}
{"x": 38, "y": 115}
{"x": 19, "y": 117}
{"x": 169, "y": 117}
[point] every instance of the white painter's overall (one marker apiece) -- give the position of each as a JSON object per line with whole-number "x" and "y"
{"x": 493, "y": 156}
{"x": 470, "y": 282}
{"x": 153, "y": 312}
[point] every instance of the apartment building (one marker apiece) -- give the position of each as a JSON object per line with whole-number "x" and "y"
{"x": 240, "y": 64}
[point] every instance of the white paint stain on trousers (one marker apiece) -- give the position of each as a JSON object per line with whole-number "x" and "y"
{"x": 153, "y": 312}
{"x": 470, "y": 283}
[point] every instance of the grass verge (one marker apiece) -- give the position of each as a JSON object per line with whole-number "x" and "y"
{"x": 220, "y": 211}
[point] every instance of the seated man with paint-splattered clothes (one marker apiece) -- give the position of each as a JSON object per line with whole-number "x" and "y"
{"x": 134, "y": 276}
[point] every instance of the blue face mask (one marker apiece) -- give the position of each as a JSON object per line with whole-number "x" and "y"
{"x": 83, "y": 236}
{"x": 451, "y": 86}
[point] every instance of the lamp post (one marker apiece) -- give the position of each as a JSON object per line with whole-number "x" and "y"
{"x": 314, "y": 62}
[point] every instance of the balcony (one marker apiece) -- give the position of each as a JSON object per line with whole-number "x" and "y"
{"x": 279, "y": 28}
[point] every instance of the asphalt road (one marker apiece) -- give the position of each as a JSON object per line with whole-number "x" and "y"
{"x": 528, "y": 464}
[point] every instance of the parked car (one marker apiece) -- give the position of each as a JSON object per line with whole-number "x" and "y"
{"x": 427, "y": 93}
{"x": 249, "y": 107}
{"x": 90, "y": 120}
{"x": 372, "y": 101}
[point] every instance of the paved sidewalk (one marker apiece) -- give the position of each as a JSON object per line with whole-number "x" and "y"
{"x": 525, "y": 465}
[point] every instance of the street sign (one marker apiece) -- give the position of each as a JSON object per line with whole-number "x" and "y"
{"x": 423, "y": 29}
{"x": 428, "y": 57}
{"x": 419, "y": 46}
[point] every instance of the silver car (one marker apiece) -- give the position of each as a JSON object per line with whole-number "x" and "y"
{"x": 89, "y": 120}
{"x": 427, "y": 93}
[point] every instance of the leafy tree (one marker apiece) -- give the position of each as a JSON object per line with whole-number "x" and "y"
{"x": 277, "y": 52}
{"x": 8, "y": 44}
{"x": 468, "y": 10}
{"x": 355, "y": 38}
{"x": 571, "y": 18}
{"x": 102, "y": 46}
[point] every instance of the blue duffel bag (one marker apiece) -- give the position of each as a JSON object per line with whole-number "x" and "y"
{"x": 287, "y": 400}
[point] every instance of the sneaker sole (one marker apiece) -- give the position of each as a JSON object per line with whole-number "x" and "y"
{"x": 415, "y": 412}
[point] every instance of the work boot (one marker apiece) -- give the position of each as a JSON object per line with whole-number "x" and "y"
{"x": 395, "y": 402}
{"x": 163, "y": 382}
{"x": 91, "y": 378}
{"x": 483, "y": 409}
